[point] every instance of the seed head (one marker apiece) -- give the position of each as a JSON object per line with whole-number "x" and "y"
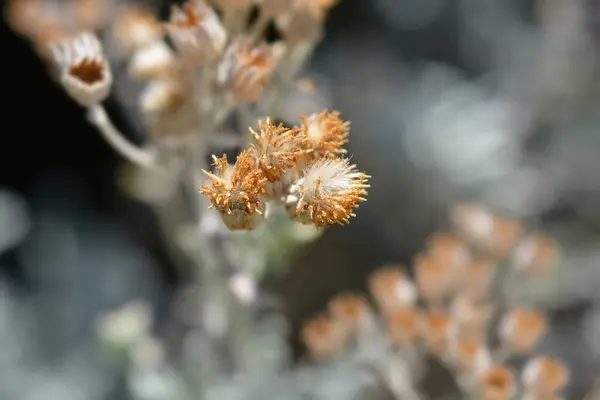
{"x": 83, "y": 68}
{"x": 276, "y": 149}
{"x": 246, "y": 69}
{"x": 326, "y": 134}
{"x": 328, "y": 192}
{"x": 236, "y": 191}
{"x": 196, "y": 32}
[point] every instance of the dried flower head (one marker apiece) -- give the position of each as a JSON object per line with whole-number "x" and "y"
{"x": 477, "y": 278}
{"x": 327, "y": 133}
{"x": 505, "y": 236}
{"x": 92, "y": 14}
{"x": 196, "y": 31}
{"x": 276, "y": 149}
{"x": 303, "y": 21}
{"x": 435, "y": 328}
{"x": 473, "y": 222}
{"x": 236, "y": 191}
{"x": 448, "y": 249}
{"x": 327, "y": 193}
{"x": 392, "y": 289}
{"x": 521, "y": 329}
{"x": 351, "y": 309}
{"x": 535, "y": 254}
{"x": 167, "y": 107}
{"x": 84, "y": 70}
{"x": 469, "y": 354}
{"x": 246, "y": 69}
{"x": 544, "y": 376}
{"x": 324, "y": 337}
{"x": 136, "y": 27}
{"x": 471, "y": 315}
{"x": 403, "y": 326}
{"x": 498, "y": 383}
{"x": 434, "y": 278}
{"x": 152, "y": 61}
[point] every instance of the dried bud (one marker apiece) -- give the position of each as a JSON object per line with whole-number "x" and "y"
{"x": 303, "y": 22}
{"x": 435, "y": 328}
{"x": 350, "y": 309}
{"x": 392, "y": 289}
{"x": 84, "y": 70}
{"x": 155, "y": 60}
{"x": 544, "y": 376}
{"x": 473, "y": 221}
{"x": 324, "y": 337}
{"x": 535, "y": 254}
{"x": 92, "y": 14}
{"x": 167, "y": 108}
{"x": 471, "y": 315}
{"x": 403, "y": 326}
{"x": 236, "y": 192}
{"x": 434, "y": 279}
{"x": 246, "y": 69}
{"x": 470, "y": 355}
{"x": 521, "y": 329}
{"x": 136, "y": 27}
{"x": 326, "y": 134}
{"x": 477, "y": 278}
{"x": 498, "y": 383}
{"x": 196, "y": 32}
{"x": 328, "y": 192}
{"x": 277, "y": 151}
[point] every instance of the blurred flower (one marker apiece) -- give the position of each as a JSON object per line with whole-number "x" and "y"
{"x": 498, "y": 383}
{"x": 544, "y": 376}
{"x": 84, "y": 70}
{"x": 392, "y": 289}
{"x": 324, "y": 337}
{"x": 521, "y": 329}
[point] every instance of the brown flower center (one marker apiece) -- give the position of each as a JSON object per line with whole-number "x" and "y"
{"x": 88, "y": 71}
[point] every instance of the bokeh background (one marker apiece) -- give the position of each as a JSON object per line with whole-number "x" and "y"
{"x": 496, "y": 101}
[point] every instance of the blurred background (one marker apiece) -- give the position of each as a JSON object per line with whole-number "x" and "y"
{"x": 494, "y": 101}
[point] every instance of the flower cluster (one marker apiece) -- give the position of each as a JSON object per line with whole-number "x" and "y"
{"x": 456, "y": 308}
{"x": 298, "y": 168}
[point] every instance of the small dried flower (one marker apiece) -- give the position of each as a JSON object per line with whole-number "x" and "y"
{"x": 328, "y": 192}
{"x": 303, "y": 22}
{"x": 470, "y": 355}
{"x": 534, "y": 254}
{"x": 136, "y": 27}
{"x": 324, "y": 337}
{"x": 505, "y": 236}
{"x": 276, "y": 149}
{"x": 167, "y": 108}
{"x": 84, "y": 70}
{"x": 448, "y": 249}
{"x": 471, "y": 315}
{"x": 92, "y": 14}
{"x": 246, "y": 69}
{"x": 477, "y": 278}
{"x": 435, "y": 329}
{"x": 155, "y": 60}
{"x": 544, "y": 376}
{"x": 521, "y": 329}
{"x": 434, "y": 278}
{"x": 473, "y": 221}
{"x": 403, "y": 326}
{"x": 392, "y": 289}
{"x": 326, "y": 133}
{"x": 196, "y": 32}
{"x": 498, "y": 383}
{"x": 351, "y": 309}
{"x": 236, "y": 191}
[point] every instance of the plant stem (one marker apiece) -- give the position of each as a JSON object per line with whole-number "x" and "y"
{"x": 143, "y": 157}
